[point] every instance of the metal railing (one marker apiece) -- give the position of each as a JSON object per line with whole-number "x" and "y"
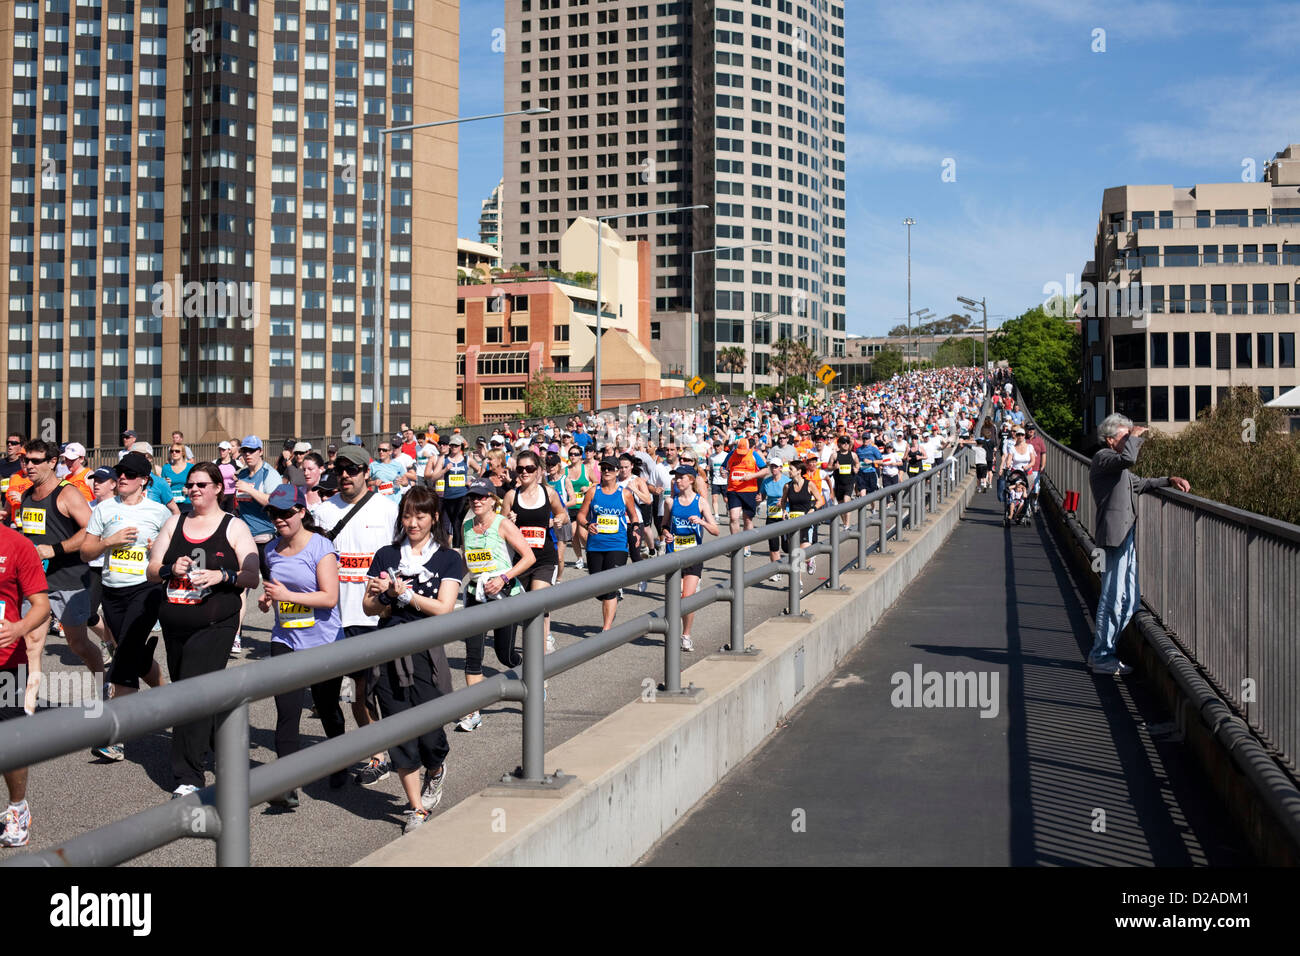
{"x": 1226, "y": 583}
{"x": 220, "y": 812}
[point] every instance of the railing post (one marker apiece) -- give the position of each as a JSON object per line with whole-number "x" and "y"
{"x": 534, "y": 701}
{"x": 833, "y": 579}
{"x": 737, "y": 638}
{"x": 673, "y": 631}
{"x": 862, "y": 536}
{"x": 232, "y": 786}
{"x": 796, "y": 571}
{"x": 884, "y": 521}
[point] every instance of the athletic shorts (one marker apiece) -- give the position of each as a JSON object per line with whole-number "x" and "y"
{"x": 843, "y": 488}
{"x": 539, "y": 572}
{"x": 71, "y": 608}
{"x": 598, "y": 561}
{"x": 564, "y": 533}
{"x": 981, "y": 472}
{"x": 746, "y": 501}
{"x": 867, "y": 481}
{"x": 131, "y": 613}
{"x": 693, "y": 569}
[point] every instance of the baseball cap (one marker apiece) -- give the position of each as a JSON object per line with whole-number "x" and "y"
{"x": 457, "y": 439}
{"x": 133, "y": 465}
{"x": 303, "y": 446}
{"x": 286, "y": 496}
{"x": 685, "y": 470}
{"x": 289, "y": 443}
{"x": 143, "y": 447}
{"x": 497, "y": 440}
{"x": 224, "y": 446}
{"x": 355, "y": 454}
{"x": 331, "y": 447}
{"x": 481, "y": 486}
{"x": 74, "y": 450}
{"x": 609, "y": 462}
{"x": 129, "y": 433}
{"x": 103, "y": 474}
{"x": 251, "y": 441}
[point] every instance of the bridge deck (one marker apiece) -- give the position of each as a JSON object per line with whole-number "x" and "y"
{"x": 1067, "y": 753}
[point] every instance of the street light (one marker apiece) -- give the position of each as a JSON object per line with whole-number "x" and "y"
{"x": 702, "y": 252}
{"x": 382, "y": 172}
{"x": 600, "y": 242}
{"x": 920, "y": 314}
{"x": 981, "y": 304}
{"x": 909, "y": 223}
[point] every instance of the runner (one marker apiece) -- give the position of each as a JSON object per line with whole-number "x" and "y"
{"x": 538, "y": 511}
{"x": 718, "y": 470}
{"x": 770, "y": 490}
{"x": 581, "y": 478}
{"x": 846, "y": 468}
{"x": 54, "y": 516}
{"x": 801, "y": 496}
{"x": 12, "y": 464}
{"x": 21, "y": 581}
{"x": 207, "y": 558}
{"x": 487, "y": 535}
{"x": 387, "y": 476}
{"x": 417, "y": 577}
{"x": 176, "y": 472}
{"x": 125, "y": 527}
{"x": 630, "y": 478}
{"x": 302, "y": 584}
{"x": 105, "y": 483}
{"x": 743, "y": 469}
{"x": 686, "y": 517}
{"x": 360, "y": 523}
{"x": 615, "y": 514}
{"x": 75, "y": 472}
{"x": 454, "y": 469}
{"x": 253, "y": 486}
{"x": 559, "y": 482}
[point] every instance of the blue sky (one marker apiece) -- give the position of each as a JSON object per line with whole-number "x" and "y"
{"x": 1036, "y": 122}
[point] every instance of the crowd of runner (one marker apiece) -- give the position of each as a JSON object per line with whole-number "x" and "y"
{"x": 337, "y": 544}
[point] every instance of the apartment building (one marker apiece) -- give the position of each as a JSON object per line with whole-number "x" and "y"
{"x": 192, "y": 192}
{"x": 1191, "y": 292}
{"x": 736, "y": 104}
{"x": 489, "y": 219}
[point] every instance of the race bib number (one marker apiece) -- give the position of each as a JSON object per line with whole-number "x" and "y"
{"x": 795, "y": 514}
{"x": 926, "y": 466}
{"x": 607, "y": 524}
{"x": 740, "y": 476}
{"x": 129, "y": 560}
{"x": 846, "y": 469}
{"x": 384, "y": 487}
{"x": 353, "y": 567}
{"x": 456, "y": 480}
{"x": 479, "y": 561}
{"x": 440, "y": 486}
{"x": 682, "y": 541}
{"x": 33, "y": 521}
{"x": 180, "y": 590}
{"x": 536, "y": 537}
{"x": 294, "y": 615}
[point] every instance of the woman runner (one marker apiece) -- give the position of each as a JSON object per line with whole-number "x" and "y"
{"x": 537, "y": 511}
{"x": 686, "y": 518}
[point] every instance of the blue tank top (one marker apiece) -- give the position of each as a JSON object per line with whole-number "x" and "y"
{"x": 456, "y": 479}
{"x": 607, "y": 521}
{"x": 558, "y": 485}
{"x": 685, "y": 534}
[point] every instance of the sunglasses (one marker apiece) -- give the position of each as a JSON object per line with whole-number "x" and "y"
{"x": 250, "y": 451}
{"x": 351, "y": 469}
{"x": 527, "y": 469}
{"x": 479, "y": 497}
{"x": 191, "y": 485}
{"x": 385, "y": 449}
{"x": 280, "y": 514}
{"x": 12, "y": 442}
{"x": 609, "y": 467}
{"x": 36, "y": 461}
{"x": 127, "y": 476}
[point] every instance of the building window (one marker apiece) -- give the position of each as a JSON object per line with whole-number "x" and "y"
{"x": 1160, "y": 351}
{"x": 1159, "y": 403}
{"x": 1222, "y": 350}
{"x": 560, "y": 363}
{"x": 1203, "y": 400}
{"x": 1264, "y": 350}
{"x": 1286, "y": 350}
{"x": 460, "y": 306}
{"x": 503, "y": 363}
{"x": 503, "y": 393}
{"x": 654, "y": 331}
{"x": 561, "y": 333}
{"x": 1132, "y": 402}
{"x": 1182, "y": 351}
{"x": 1266, "y": 393}
{"x": 1244, "y": 359}
{"x": 1182, "y": 403}
{"x": 460, "y": 336}
{"x": 519, "y": 333}
{"x": 1202, "y": 349}
{"x": 521, "y": 303}
{"x": 492, "y": 335}
{"x": 1129, "y": 352}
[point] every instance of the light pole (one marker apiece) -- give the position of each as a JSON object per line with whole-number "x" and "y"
{"x": 981, "y": 304}
{"x": 382, "y": 173}
{"x": 920, "y": 314}
{"x": 694, "y": 355}
{"x": 909, "y": 222}
{"x": 600, "y": 242}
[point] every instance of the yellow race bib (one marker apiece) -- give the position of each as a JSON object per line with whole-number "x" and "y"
{"x": 846, "y": 469}
{"x": 607, "y": 524}
{"x": 479, "y": 561}
{"x": 129, "y": 560}
{"x": 294, "y": 615}
{"x": 33, "y": 521}
{"x": 456, "y": 480}
{"x": 681, "y": 541}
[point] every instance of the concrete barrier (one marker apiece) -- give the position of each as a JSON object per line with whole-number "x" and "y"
{"x": 643, "y": 767}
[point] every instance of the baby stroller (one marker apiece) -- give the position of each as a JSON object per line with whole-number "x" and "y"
{"x": 1017, "y": 499}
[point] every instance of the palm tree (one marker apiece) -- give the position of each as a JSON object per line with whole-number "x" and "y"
{"x": 732, "y": 359}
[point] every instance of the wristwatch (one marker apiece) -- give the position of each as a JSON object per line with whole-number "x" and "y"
{"x": 505, "y": 580}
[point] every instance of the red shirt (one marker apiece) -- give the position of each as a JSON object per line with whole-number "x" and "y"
{"x": 409, "y": 448}
{"x": 20, "y": 577}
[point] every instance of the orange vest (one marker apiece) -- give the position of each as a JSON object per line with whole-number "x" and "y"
{"x": 18, "y": 485}
{"x": 742, "y": 471}
{"x": 81, "y": 483}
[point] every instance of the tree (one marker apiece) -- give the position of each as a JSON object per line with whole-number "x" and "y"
{"x": 732, "y": 359}
{"x": 954, "y": 352}
{"x": 886, "y": 363}
{"x": 587, "y": 279}
{"x": 899, "y": 331}
{"x": 544, "y": 396}
{"x": 782, "y": 361}
{"x": 1044, "y": 353}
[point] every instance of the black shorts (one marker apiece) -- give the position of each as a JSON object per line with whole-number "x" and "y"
{"x": 95, "y": 591}
{"x": 981, "y": 471}
{"x": 131, "y": 613}
{"x": 598, "y": 561}
{"x": 696, "y": 570}
{"x": 15, "y": 679}
{"x": 746, "y": 501}
{"x": 844, "y": 487}
{"x": 867, "y": 481}
{"x": 541, "y": 571}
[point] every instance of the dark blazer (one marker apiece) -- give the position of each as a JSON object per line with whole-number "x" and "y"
{"x": 1115, "y": 490}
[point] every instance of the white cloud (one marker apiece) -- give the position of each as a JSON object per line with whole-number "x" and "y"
{"x": 873, "y": 103}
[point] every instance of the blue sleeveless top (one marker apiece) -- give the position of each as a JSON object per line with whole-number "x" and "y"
{"x": 607, "y": 521}
{"x": 685, "y": 534}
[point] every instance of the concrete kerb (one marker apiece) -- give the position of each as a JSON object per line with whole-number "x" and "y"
{"x": 643, "y": 767}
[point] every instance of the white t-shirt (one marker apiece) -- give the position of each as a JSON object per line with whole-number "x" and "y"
{"x": 365, "y": 534}
{"x": 127, "y": 565}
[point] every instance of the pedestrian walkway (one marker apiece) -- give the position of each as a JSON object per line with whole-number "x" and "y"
{"x": 1068, "y": 769}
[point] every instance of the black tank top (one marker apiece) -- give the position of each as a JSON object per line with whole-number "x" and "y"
{"x": 800, "y": 500}
{"x": 535, "y": 525}
{"x": 191, "y": 608}
{"x": 43, "y": 523}
{"x": 841, "y": 460}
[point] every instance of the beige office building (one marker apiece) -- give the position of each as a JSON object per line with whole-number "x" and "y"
{"x": 1218, "y": 269}
{"x": 737, "y": 105}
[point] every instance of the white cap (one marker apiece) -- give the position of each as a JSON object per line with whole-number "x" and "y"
{"x": 224, "y": 446}
{"x": 73, "y": 450}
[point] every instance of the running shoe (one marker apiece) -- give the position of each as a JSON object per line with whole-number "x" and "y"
{"x": 470, "y": 722}
{"x": 550, "y": 643}
{"x": 236, "y": 648}
{"x": 374, "y": 771}
{"x": 184, "y": 790}
{"x": 431, "y": 795}
{"x": 580, "y": 564}
{"x": 686, "y": 643}
{"x": 112, "y": 752}
{"x": 643, "y": 586}
{"x": 414, "y": 819}
{"x": 1115, "y": 668}
{"x": 286, "y": 801}
{"x": 748, "y": 553}
{"x": 812, "y": 565}
{"x": 17, "y": 826}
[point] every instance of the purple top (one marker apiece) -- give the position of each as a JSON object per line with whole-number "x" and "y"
{"x": 297, "y": 626}
{"x": 227, "y": 478}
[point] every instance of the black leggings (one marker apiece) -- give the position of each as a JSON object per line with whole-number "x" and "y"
{"x": 454, "y": 509}
{"x": 431, "y": 748}
{"x": 191, "y": 653}
{"x": 288, "y": 709}
{"x": 131, "y": 613}
{"x": 503, "y": 641}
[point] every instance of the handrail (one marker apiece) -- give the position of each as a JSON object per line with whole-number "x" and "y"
{"x": 219, "y": 811}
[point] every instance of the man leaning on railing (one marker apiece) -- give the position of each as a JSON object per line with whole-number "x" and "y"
{"x": 1115, "y": 490}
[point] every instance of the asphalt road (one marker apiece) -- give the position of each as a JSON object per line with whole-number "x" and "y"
{"x": 1066, "y": 769}
{"x": 78, "y": 792}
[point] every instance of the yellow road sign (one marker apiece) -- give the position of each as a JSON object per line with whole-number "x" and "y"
{"x": 825, "y": 374}
{"x": 696, "y": 385}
